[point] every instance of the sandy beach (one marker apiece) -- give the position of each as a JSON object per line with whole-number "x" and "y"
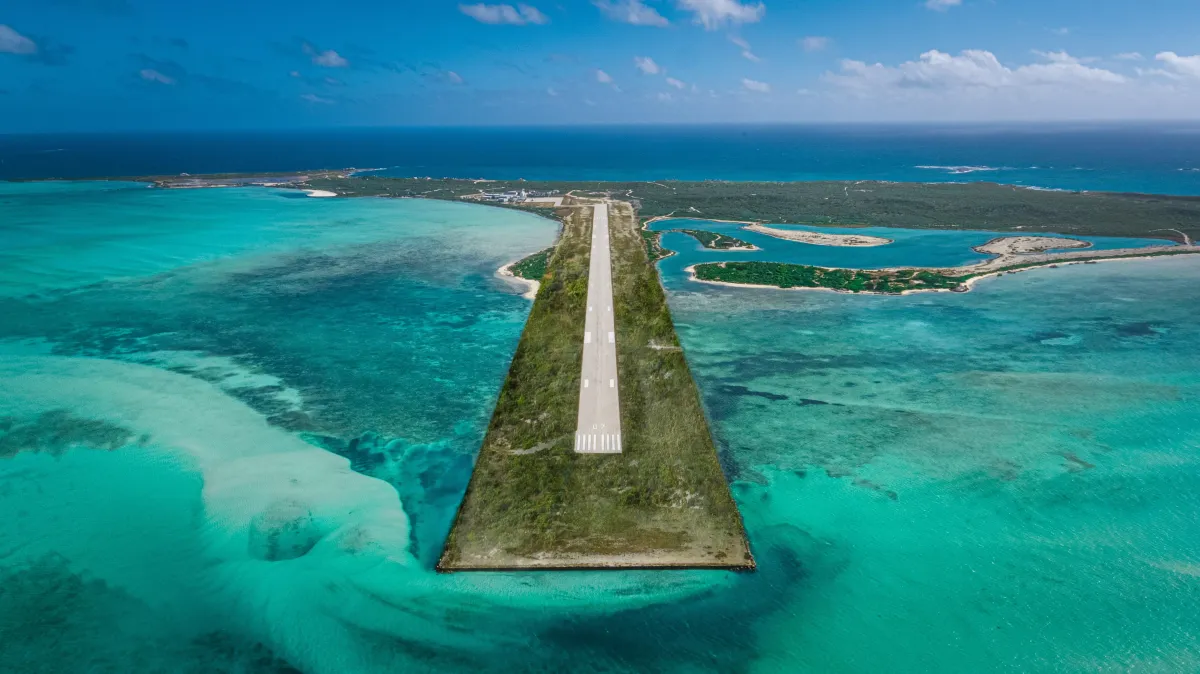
{"x": 1008, "y": 253}
{"x": 819, "y": 238}
{"x": 531, "y": 287}
{"x": 323, "y": 194}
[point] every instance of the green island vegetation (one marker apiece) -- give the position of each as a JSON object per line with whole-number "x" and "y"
{"x": 786, "y": 275}
{"x": 977, "y": 206}
{"x": 714, "y": 240}
{"x": 534, "y": 266}
{"x": 533, "y": 502}
{"x": 883, "y": 281}
{"x": 653, "y": 244}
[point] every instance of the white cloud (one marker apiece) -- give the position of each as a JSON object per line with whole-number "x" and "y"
{"x": 328, "y": 58}
{"x": 646, "y": 65}
{"x": 1065, "y": 30}
{"x": 971, "y": 69}
{"x": 942, "y": 5}
{"x": 295, "y": 73}
{"x": 603, "y": 77}
{"x": 814, "y": 43}
{"x": 747, "y": 53}
{"x": 676, "y": 83}
{"x": 504, "y": 14}
{"x": 712, "y": 14}
{"x": 453, "y": 77}
{"x": 665, "y": 97}
{"x": 12, "y": 42}
{"x": 1129, "y": 56}
{"x": 552, "y": 92}
{"x": 632, "y": 12}
{"x": 754, "y": 85}
{"x": 1063, "y": 57}
{"x": 1188, "y": 66}
{"x": 151, "y": 75}
{"x": 313, "y": 98}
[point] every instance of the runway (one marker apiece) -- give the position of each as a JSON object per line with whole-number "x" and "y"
{"x": 599, "y": 427}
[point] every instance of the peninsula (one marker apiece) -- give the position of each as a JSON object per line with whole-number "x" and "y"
{"x": 647, "y": 491}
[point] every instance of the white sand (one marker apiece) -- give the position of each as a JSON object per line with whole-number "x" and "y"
{"x": 819, "y": 238}
{"x": 1021, "y": 245}
{"x": 321, "y": 193}
{"x": 531, "y": 287}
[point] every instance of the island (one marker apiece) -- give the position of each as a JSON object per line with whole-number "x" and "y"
{"x": 819, "y": 238}
{"x": 715, "y": 241}
{"x": 707, "y": 239}
{"x": 1012, "y": 254}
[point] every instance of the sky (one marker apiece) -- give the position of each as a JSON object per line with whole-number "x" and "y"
{"x": 110, "y": 65}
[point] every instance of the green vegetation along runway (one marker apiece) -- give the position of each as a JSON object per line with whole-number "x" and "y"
{"x": 533, "y": 502}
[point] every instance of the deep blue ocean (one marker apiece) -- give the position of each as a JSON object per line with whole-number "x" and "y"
{"x": 1159, "y": 158}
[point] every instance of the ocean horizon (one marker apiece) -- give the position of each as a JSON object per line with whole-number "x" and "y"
{"x": 1150, "y": 158}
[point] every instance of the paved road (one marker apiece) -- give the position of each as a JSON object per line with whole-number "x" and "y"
{"x": 599, "y": 429}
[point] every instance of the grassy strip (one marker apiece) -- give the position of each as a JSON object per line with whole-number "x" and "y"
{"x": 891, "y": 282}
{"x": 533, "y": 502}
{"x": 534, "y": 266}
{"x": 714, "y": 240}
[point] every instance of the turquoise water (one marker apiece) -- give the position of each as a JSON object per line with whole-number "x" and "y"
{"x": 239, "y": 450}
{"x": 913, "y": 247}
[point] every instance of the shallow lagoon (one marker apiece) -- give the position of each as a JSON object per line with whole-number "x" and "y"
{"x": 909, "y": 247}
{"x": 260, "y": 454}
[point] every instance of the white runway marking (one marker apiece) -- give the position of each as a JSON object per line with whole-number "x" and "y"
{"x": 599, "y": 424}
{"x": 598, "y": 443}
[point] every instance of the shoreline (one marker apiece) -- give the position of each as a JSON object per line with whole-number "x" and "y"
{"x": 321, "y": 194}
{"x": 531, "y": 287}
{"x": 967, "y": 285}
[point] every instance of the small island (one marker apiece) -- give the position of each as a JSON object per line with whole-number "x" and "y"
{"x": 819, "y": 238}
{"x": 711, "y": 240}
{"x": 1013, "y": 254}
{"x": 716, "y": 241}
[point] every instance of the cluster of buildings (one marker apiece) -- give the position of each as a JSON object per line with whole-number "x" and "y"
{"x": 515, "y": 196}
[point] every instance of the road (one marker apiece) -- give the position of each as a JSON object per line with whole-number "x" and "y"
{"x": 599, "y": 428}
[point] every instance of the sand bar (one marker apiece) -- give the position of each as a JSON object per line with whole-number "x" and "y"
{"x": 819, "y": 238}
{"x": 1022, "y": 245}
